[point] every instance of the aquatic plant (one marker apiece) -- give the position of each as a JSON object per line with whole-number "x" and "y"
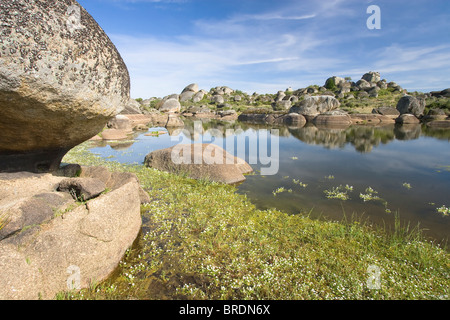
{"x": 298, "y": 182}
{"x": 205, "y": 241}
{"x": 444, "y": 210}
{"x": 407, "y": 185}
{"x": 329, "y": 177}
{"x": 340, "y": 192}
{"x": 370, "y": 195}
{"x": 281, "y": 190}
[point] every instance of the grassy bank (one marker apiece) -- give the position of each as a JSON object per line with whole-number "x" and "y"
{"x": 202, "y": 240}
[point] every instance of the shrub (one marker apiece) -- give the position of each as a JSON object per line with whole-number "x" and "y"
{"x": 331, "y": 84}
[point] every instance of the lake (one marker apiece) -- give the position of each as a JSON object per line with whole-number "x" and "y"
{"x": 371, "y": 173}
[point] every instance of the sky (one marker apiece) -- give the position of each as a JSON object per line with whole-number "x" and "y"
{"x": 265, "y": 46}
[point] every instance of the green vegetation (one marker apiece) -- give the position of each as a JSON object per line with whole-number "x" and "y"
{"x": 406, "y": 185}
{"x": 370, "y": 195}
{"x": 443, "y": 210}
{"x": 340, "y": 192}
{"x": 281, "y": 190}
{"x": 351, "y": 102}
{"x": 202, "y": 240}
{"x": 331, "y": 84}
{"x": 298, "y": 182}
{"x": 437, "y": 103}
{"x": 386, "y": 97}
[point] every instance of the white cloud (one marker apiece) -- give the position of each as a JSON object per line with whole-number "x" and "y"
{"x": 270, "y": 16}
{"x": 294, "y": 45}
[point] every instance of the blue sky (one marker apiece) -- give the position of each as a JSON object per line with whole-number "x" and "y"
{"x": 264, "y": 46}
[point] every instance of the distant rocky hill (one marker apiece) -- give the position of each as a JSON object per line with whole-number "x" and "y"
{"x": 339, "y": 101}
{"x": 368, "y": 93}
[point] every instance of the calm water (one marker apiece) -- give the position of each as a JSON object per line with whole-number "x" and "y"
{"x": 409, "y": 167}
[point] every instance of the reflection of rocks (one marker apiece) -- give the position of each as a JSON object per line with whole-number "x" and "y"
{"x": 407, "y": 131}
{"x": 121, "y": 145}
{"x": 443, "y": 124}
{"x": 329, "y": 138}
{"x": 365, "y": 138}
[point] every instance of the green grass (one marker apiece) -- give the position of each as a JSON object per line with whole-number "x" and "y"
{"x": 202, "y": 240}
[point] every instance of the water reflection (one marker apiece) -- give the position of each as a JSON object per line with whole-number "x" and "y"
{"x": 382, "y": 157}
{"x": 362, "y": 138}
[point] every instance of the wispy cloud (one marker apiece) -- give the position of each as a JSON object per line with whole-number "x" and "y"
{"x": 271, "y": 16}
{"x": 297, "y": 44}
{"x": 148, "y": 1}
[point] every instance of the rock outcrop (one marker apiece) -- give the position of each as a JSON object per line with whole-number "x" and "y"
{"x": 333, "y": 119}
{"x": 61, "y": 80}
{"x": 200, "y": 161}
{"x": 51, "y": 239}
{"x": 291, "y": 119}
{"x": 170, "y": 105}
{"x": 315, "y": 105}
{"x": 441, "y": 94}
{"x": 411, "y": 105}
{"x": 407, "y": 118}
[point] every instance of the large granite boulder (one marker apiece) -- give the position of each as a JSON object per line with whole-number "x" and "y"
{"x": 170, "y": 105}
{"x": 334, "y": 82}
{"x": 132, "y": 107}
{"x": 411, "y": 105}
{"x": 386, "y": 111}
{"x": 313, "y": 106}
{"x": 200, "y": 161}
{"x": 372, "y": 77}
{"x": 52, "y": 242}
{"x": 61, "y": 80}
{"x": 333, "y": 119}
{"x": 444, "y": 93}
{"x": 407, "y": 118}
{"x": 193, "y": 87}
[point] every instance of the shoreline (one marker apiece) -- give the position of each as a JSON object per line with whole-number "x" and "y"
{"x": 212, "y": 246}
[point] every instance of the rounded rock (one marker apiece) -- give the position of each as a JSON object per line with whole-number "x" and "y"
{"x": 61, "y": 80}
